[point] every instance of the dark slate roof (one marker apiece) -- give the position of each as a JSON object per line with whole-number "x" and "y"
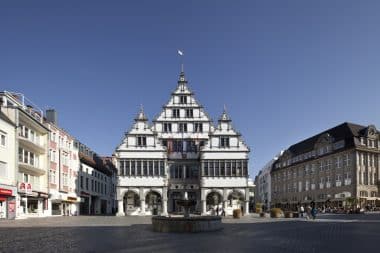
{"x": 345, "y": 131}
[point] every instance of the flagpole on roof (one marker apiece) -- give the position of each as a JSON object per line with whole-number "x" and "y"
{"x": 181, "y": 54}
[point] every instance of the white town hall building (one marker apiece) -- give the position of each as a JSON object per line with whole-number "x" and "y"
{"x": 182, "y": 151}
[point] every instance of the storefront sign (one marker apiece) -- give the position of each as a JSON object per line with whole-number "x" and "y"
{"x": 25, "y": 187}
{"x": 5, "y": 192}
{"x": 71, "y": 198}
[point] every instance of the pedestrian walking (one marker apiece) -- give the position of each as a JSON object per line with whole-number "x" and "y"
{"x": 302, "y": 209}
{"x": 223, "y": 212}
{"x": 314, "y": 212}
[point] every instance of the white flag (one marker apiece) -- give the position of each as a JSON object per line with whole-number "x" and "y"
{"x": 180, "y": 52}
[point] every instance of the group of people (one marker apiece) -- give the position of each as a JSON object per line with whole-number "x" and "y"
{"x": 310, "y": 212}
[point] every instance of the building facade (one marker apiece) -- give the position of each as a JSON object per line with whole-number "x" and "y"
{"x": 8, "y": 182}
{"x": 96, "y": 183}
{"x": 334, "y": 168}
{"x": 264, "y": 185}
{"x": 63, "y": 170}
{"x": 182, "y": 151}
{"x": 31, "y": 144}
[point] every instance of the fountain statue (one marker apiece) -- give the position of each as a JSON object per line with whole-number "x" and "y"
{"x": 186, "y": 204}
{"x": 187, "y": 223}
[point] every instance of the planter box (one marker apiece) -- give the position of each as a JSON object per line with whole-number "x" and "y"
{"x": 237, "y": 213}
{"x": 288, "y": 214}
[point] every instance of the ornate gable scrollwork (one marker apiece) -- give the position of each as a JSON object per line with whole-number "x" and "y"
{"x": 371, "y": 132}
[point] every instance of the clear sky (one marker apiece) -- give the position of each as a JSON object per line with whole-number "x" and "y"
{"x": 286, "y": 70}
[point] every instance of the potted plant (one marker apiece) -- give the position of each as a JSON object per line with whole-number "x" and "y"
{"x": 276, "y": 213}
{"x": 259, "y": 208}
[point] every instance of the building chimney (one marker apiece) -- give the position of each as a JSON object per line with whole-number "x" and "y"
{"x": 51, "y": 116}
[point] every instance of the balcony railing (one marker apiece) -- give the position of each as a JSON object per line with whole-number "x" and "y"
{"x": 31, "y": 169}
{"x": 33, "y": 144}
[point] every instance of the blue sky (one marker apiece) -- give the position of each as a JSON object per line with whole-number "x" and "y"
{"x": 286, "y": 70}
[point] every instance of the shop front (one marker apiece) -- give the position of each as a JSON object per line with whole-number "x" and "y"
{"x": 7, "y": 202}
{"x": 32, "y": 203}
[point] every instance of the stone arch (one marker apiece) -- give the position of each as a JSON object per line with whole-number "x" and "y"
{"x": 153, "y": 202}
{"x": 236, "y": 199}
{"x": 213, "y": 199}
{"x": 131, "y": 201}
{"x": 123, "y": 192}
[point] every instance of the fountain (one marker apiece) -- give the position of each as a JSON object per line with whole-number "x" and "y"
{"x": 187, "y": 223}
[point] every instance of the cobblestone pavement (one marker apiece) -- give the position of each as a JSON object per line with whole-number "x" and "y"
{"x": 329, "y": 233}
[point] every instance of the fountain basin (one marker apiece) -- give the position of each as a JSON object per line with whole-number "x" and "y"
{"x": 193, "y": 224}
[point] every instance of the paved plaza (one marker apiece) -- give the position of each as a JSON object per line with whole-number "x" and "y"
{"x": 330, "y": 233}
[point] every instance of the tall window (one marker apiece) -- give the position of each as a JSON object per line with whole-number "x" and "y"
{"x": 3, "y": 169}
{"x": 183, "y": 99}
{"x": 189, "y": 113}
{"x": 141, "y": 141}
{"x": 198, "y": 127}
{"x": 338, "y": 162}
{"x": 3, "y": 139}
{"x": 224, "y": 142}
{"x": 145, "y": 168}
{"x": 167, "y": 127}
{"x": 175, "y": 113}
{"x": 183, "y": 127}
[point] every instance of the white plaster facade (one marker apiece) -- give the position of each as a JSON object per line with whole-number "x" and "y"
{"x": 8, "y": 182}
{"x": 31, "y": 161}
{"x": 181, "y": 151}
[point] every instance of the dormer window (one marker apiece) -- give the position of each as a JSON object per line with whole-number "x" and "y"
{"x": 183, "y": 99}
{"x": 189, "y": 113}
{"x": 175, "y": 113}
{"x": 141, "y": 141}
{"x": 224, "y": 142}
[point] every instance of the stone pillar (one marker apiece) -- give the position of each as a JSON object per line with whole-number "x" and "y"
{"x": 26, "y": 205}
{"x": 40, "y": 207}
{"x": 142, "y": 206}
{"x": 246, "y": 207}
{"x": 184, "y": 171}
{"x": 164, "y": 207}
{"x": 358, "y": 169}
{"x": 120, "y": 210}
{"x": 164, "y": 201}
{"x": 203, "y": 207}
{"x": 368, "y": 169}
{"x": 142, "y": 201}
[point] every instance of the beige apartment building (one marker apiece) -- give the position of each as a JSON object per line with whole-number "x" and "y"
{"x": 332, "y": 168}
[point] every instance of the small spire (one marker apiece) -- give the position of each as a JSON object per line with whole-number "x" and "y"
{"x": 224, "y": 116}
{"x": 141, "y": 116}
